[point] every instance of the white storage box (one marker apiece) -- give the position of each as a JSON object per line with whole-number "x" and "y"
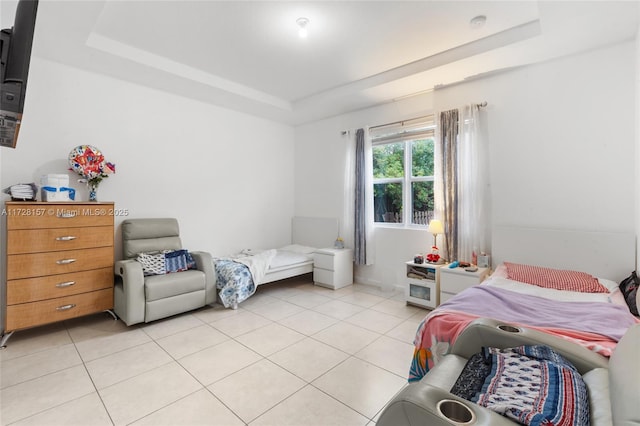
{"x": 55, "y": 181}
{"x": 56, "y": 196}
{"x": 55, "y": 187}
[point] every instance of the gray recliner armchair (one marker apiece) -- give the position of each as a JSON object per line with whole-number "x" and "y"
{"x": 613, "y": 385}
{"x": 139, "y": 298}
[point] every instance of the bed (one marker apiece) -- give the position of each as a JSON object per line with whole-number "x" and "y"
{"x": 590, "y": 313}
{"x": 238, "y": 275}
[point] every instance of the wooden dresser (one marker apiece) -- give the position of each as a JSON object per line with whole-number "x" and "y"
{"x": 59, "y": 261}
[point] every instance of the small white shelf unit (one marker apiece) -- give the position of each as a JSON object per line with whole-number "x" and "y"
{"x": 422, "y": 284}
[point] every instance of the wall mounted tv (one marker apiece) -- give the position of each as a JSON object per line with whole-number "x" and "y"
{"x": 15, "y": 48}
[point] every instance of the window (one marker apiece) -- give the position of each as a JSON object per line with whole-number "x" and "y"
{"x": 403, "y": 159}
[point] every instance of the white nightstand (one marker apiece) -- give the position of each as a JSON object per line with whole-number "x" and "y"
{"x": 333, "y": 267}
{"x": 454, "y": 280}
{"x": 421, "y": 285}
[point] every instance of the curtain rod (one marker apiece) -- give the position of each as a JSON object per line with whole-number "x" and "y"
{"x": 394, "y": 123}
{"x": 346, "y": 132}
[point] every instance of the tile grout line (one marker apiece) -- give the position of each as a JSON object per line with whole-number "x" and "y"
{"x": 228, "y": 337}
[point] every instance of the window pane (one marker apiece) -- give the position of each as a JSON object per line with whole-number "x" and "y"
{"x": 387, "y": 202}
{"x": 388, "y": 160}
{"x": 422, "y": 199}
{"x": 422, "y": 157}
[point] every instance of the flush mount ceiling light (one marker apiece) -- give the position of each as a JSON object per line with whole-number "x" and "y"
{"x": 302, "y": 23}
{"x": 478, "y": 21}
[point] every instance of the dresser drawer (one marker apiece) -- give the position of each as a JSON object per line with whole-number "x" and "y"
{"x": 59, "y": 262}
{"x": 56, "y": 239}
{"x": 50, "y": 215}
{"x": 53, "y": 286}
{"x": 456, "y": 283}
{"x": 458, "y": 279}
{"x": 323, "y": 261}
{"x": 36, "y": 313}
{"x": 323, "y": 276}
{"x": 445, "y": 296}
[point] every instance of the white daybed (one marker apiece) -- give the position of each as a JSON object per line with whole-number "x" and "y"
{"x": 236, "y": 283}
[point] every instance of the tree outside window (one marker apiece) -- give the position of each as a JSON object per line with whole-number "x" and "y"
{"x": 403, "y": 176}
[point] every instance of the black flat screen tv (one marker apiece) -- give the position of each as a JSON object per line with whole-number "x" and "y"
{"x": 15, "y": 57}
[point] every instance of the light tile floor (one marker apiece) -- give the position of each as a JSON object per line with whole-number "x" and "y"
{"x": 292, "y": 354}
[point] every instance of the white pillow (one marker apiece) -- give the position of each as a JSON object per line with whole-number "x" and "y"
{"x": 610, "y": 285}
{"x": 297, "y": 248}
{"x": 289, "y": 258}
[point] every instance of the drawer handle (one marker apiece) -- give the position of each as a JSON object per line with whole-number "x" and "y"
{"x": 66, "y": 307}
{"x": 65, "y": 284}
{"x": 66, "y": 238}
{"x": 65, "y": 261}
{"x": 66, "y": 215}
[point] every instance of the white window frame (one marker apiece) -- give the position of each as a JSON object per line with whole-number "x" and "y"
{"x": 407, "y": 132}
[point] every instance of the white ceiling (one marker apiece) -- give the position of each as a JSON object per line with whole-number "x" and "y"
{"x": 246, "y": 55}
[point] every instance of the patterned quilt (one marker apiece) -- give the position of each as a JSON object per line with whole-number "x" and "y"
{"x": 234, "y": 281}
{"x": 534, "y": 385}
{"x": 238, "y": 276}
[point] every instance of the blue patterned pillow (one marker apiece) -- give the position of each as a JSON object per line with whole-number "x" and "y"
{"x": 175, "y": 261}
{"x": 191, "y": 263}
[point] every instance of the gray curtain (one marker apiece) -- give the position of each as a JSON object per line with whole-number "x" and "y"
{"x": 449, "y": 169}
{"x": 360, "y": 242}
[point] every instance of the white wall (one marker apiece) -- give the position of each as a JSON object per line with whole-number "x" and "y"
{"x": 561, "y": 136}
{"x": 637, "y": 156}
{"x": 227, "y": 177}
{"x": 320, "y": 167}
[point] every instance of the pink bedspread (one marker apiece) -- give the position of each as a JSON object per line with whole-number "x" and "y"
{"x": 597, "y": 326}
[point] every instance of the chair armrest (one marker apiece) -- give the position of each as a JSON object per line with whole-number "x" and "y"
{"x": 129, "y": 301}
{"x": 204, "y": 263}
{"x": 417, "y": 404}
{"x": 131, "y": 272}
{"x": 499, "y": 334}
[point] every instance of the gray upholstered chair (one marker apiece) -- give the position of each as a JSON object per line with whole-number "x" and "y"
{"x": 139, "y": 298}
{"x": 613, "y": 385}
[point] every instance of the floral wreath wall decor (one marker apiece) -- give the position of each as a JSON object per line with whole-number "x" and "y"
{"x": 88, "y": 162}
